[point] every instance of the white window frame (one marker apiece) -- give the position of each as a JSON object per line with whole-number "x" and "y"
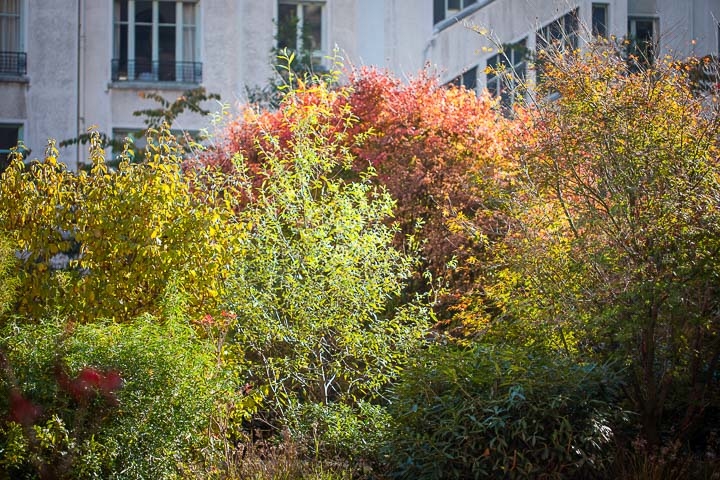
{"x": 317, "y": 56}
{"x": 14, "y": 55}
{"x": 155, "y": 32}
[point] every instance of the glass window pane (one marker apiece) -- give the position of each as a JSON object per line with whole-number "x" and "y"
{"x": 143, "y": 49}
{"x": 167, "y": 12}
{"x": 469, "y": 79}
{"x": 121, "y": 10}
{"x": 599, "y": 20}
{"x": 188, "y": 44}
{"x": 188, "y": 14}
{"x": 439, "y": 11}
{"x": 312, "y": 27}
{"x": 8, "y": 136}
{"x": 287, "y": 26}
{"x": 143, "y": 12}
{"x": 121, "y": 41}
{"x": 644, "y": 30}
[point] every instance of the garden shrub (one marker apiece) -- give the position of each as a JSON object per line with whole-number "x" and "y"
{"x": 8, "y": 276}
{"x": 493, "y": 412}
{"x": 316, "y": 277}
{"x": 105, "y": 400}
{"x": 105, "y": 243}
{"x": 438, "y": 151}
{"x": 612, "y": 245}
{"x": 354, "y": 434}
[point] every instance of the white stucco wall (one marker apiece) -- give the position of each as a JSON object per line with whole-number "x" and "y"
{"x": 457, "y": 47}
{"x": 51, "y": 46}
{"x": 236, "y": 38}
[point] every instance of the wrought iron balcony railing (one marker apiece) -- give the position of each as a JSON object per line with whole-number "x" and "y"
{"x": 161, "y": 71}
{"x": 13, "y": 63}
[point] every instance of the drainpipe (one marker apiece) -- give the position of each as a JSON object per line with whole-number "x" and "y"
{"x": 79, "y": 82}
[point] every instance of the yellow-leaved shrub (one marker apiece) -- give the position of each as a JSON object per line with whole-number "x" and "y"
{"x": 105, "y": 243}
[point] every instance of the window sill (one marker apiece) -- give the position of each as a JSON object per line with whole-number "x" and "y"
{"x": 10, "y": 78}
{"x": 448, "y": 22}
{"x": 139, "y": 85}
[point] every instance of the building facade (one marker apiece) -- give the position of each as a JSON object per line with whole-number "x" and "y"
{"x": 67, "y": 65}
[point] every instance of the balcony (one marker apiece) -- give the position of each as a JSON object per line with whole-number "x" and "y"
{"x": 13, "y": 63}
{"x": 161, "y": 71}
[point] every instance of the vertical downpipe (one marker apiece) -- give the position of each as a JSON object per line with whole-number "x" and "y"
{"x": 78, "y": 117}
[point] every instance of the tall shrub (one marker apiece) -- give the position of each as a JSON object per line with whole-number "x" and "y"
{"x": 613, "y": 249}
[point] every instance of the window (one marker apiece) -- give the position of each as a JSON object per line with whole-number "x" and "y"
{"x": 642, "y": 31}
{"x": 560, "y": 35}
{"x": 467, "y": 79}
{"x": 156, "y": 41}
{"x": 13, "y": 60}
{"x": 443, "y": 9}
{"x": 9, "y": 137}
{"x": 300, "y": 29}
{"x": 506, "y": 73}
{"x": 600, "y": 20}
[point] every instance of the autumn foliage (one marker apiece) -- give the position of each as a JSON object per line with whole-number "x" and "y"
{"x": 437, "y": 150}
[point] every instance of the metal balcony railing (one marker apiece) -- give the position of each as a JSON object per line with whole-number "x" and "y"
{"x": 13, "y": 63}
{"x": 161, "y": 71}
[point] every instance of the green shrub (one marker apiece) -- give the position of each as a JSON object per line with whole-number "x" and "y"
{"x": 316, "y": 277}
{"x": 489, "y": 412}
{"x": 105, "y": 400}
{"x": 8, "y": 279}
{"x": 339, "y": 431}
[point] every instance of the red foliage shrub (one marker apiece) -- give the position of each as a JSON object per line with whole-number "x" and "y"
{"x": 22, "y": 410}
{"x": 438, "y": 151}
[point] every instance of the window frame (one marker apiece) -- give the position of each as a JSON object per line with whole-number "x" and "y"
{"x": 183, "y": 71}
{"x": 651, "y": 46}
{"x": 316, "y": 56}
{"x": 13, "y": 58}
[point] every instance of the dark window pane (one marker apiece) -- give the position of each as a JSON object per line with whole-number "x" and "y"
{"x": 439, "y": 11}
{"x": 121, "y": 10}
{"x": 143, "y": 12}
{"x": 166, "y": 52}
{"x": 469, "y": 79}
{"x": 453, "y": 5}
{"x": 167, "y": 12}
{"x": 287, "y": 26}
{"x": 644, "y": 30}
{"x": 8, "y": 137}
{"x": 121, "y": 41}
{"x": 312, "y": 27}
{"x": 599, "y": 20}
{"x": 143, "y": 49}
